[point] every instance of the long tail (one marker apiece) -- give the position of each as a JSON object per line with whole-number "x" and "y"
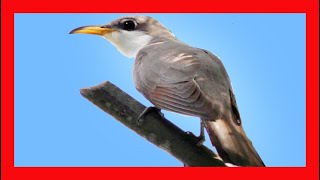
{"x": 231, "y": 142}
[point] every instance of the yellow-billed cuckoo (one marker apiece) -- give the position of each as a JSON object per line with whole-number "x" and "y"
{"x": 177, "y": 77}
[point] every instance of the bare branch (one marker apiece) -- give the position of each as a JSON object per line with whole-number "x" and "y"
{"x": 152, "y": 127}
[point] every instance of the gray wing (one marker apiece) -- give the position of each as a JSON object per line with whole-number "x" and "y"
{"x": 179, "y": 78}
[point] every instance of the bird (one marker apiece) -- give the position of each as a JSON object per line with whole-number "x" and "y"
{"x": 177, "y": 77}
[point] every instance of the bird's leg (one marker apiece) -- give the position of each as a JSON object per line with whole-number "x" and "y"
{"x": 148, "y": 110}
{"x": 201, "y": 137}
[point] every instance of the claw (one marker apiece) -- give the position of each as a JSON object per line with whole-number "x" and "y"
{"x": 201, "y": 138}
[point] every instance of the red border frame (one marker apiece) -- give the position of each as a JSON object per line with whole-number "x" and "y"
{"x": 8, "y": 8}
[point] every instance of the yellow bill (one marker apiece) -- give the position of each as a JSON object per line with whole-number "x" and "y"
{"x": 96, "y": 30}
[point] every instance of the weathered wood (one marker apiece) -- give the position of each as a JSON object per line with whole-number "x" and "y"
{"x": 153, "y": 127}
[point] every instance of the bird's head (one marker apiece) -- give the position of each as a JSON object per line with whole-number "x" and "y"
{"x": 128, "y": 34}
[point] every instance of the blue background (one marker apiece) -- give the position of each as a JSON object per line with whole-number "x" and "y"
{"x": 264, "y": 55}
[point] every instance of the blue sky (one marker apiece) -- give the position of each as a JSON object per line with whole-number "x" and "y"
{"x": 264, "y": 55}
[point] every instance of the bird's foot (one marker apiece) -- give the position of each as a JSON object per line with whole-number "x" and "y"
{"x": 201, "y": 138}
{"x": 148, "y": 110}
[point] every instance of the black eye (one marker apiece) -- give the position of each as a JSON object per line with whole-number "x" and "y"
{"x": 129, "y": 25}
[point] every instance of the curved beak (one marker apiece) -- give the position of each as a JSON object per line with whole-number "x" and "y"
{"x": 96, "y": 30}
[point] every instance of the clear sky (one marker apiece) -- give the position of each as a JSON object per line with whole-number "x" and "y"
{"x": 264, "y": 54}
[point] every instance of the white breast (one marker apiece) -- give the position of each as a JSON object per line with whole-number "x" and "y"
{"x": 128, "y": 43}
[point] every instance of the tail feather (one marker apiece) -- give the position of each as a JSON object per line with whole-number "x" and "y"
{"x": 231, "y": 142}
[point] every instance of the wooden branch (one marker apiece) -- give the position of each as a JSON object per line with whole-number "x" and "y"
{"x": 153, "y": 127}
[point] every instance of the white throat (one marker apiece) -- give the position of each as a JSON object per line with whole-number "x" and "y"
{"x": 128, "y": 43}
